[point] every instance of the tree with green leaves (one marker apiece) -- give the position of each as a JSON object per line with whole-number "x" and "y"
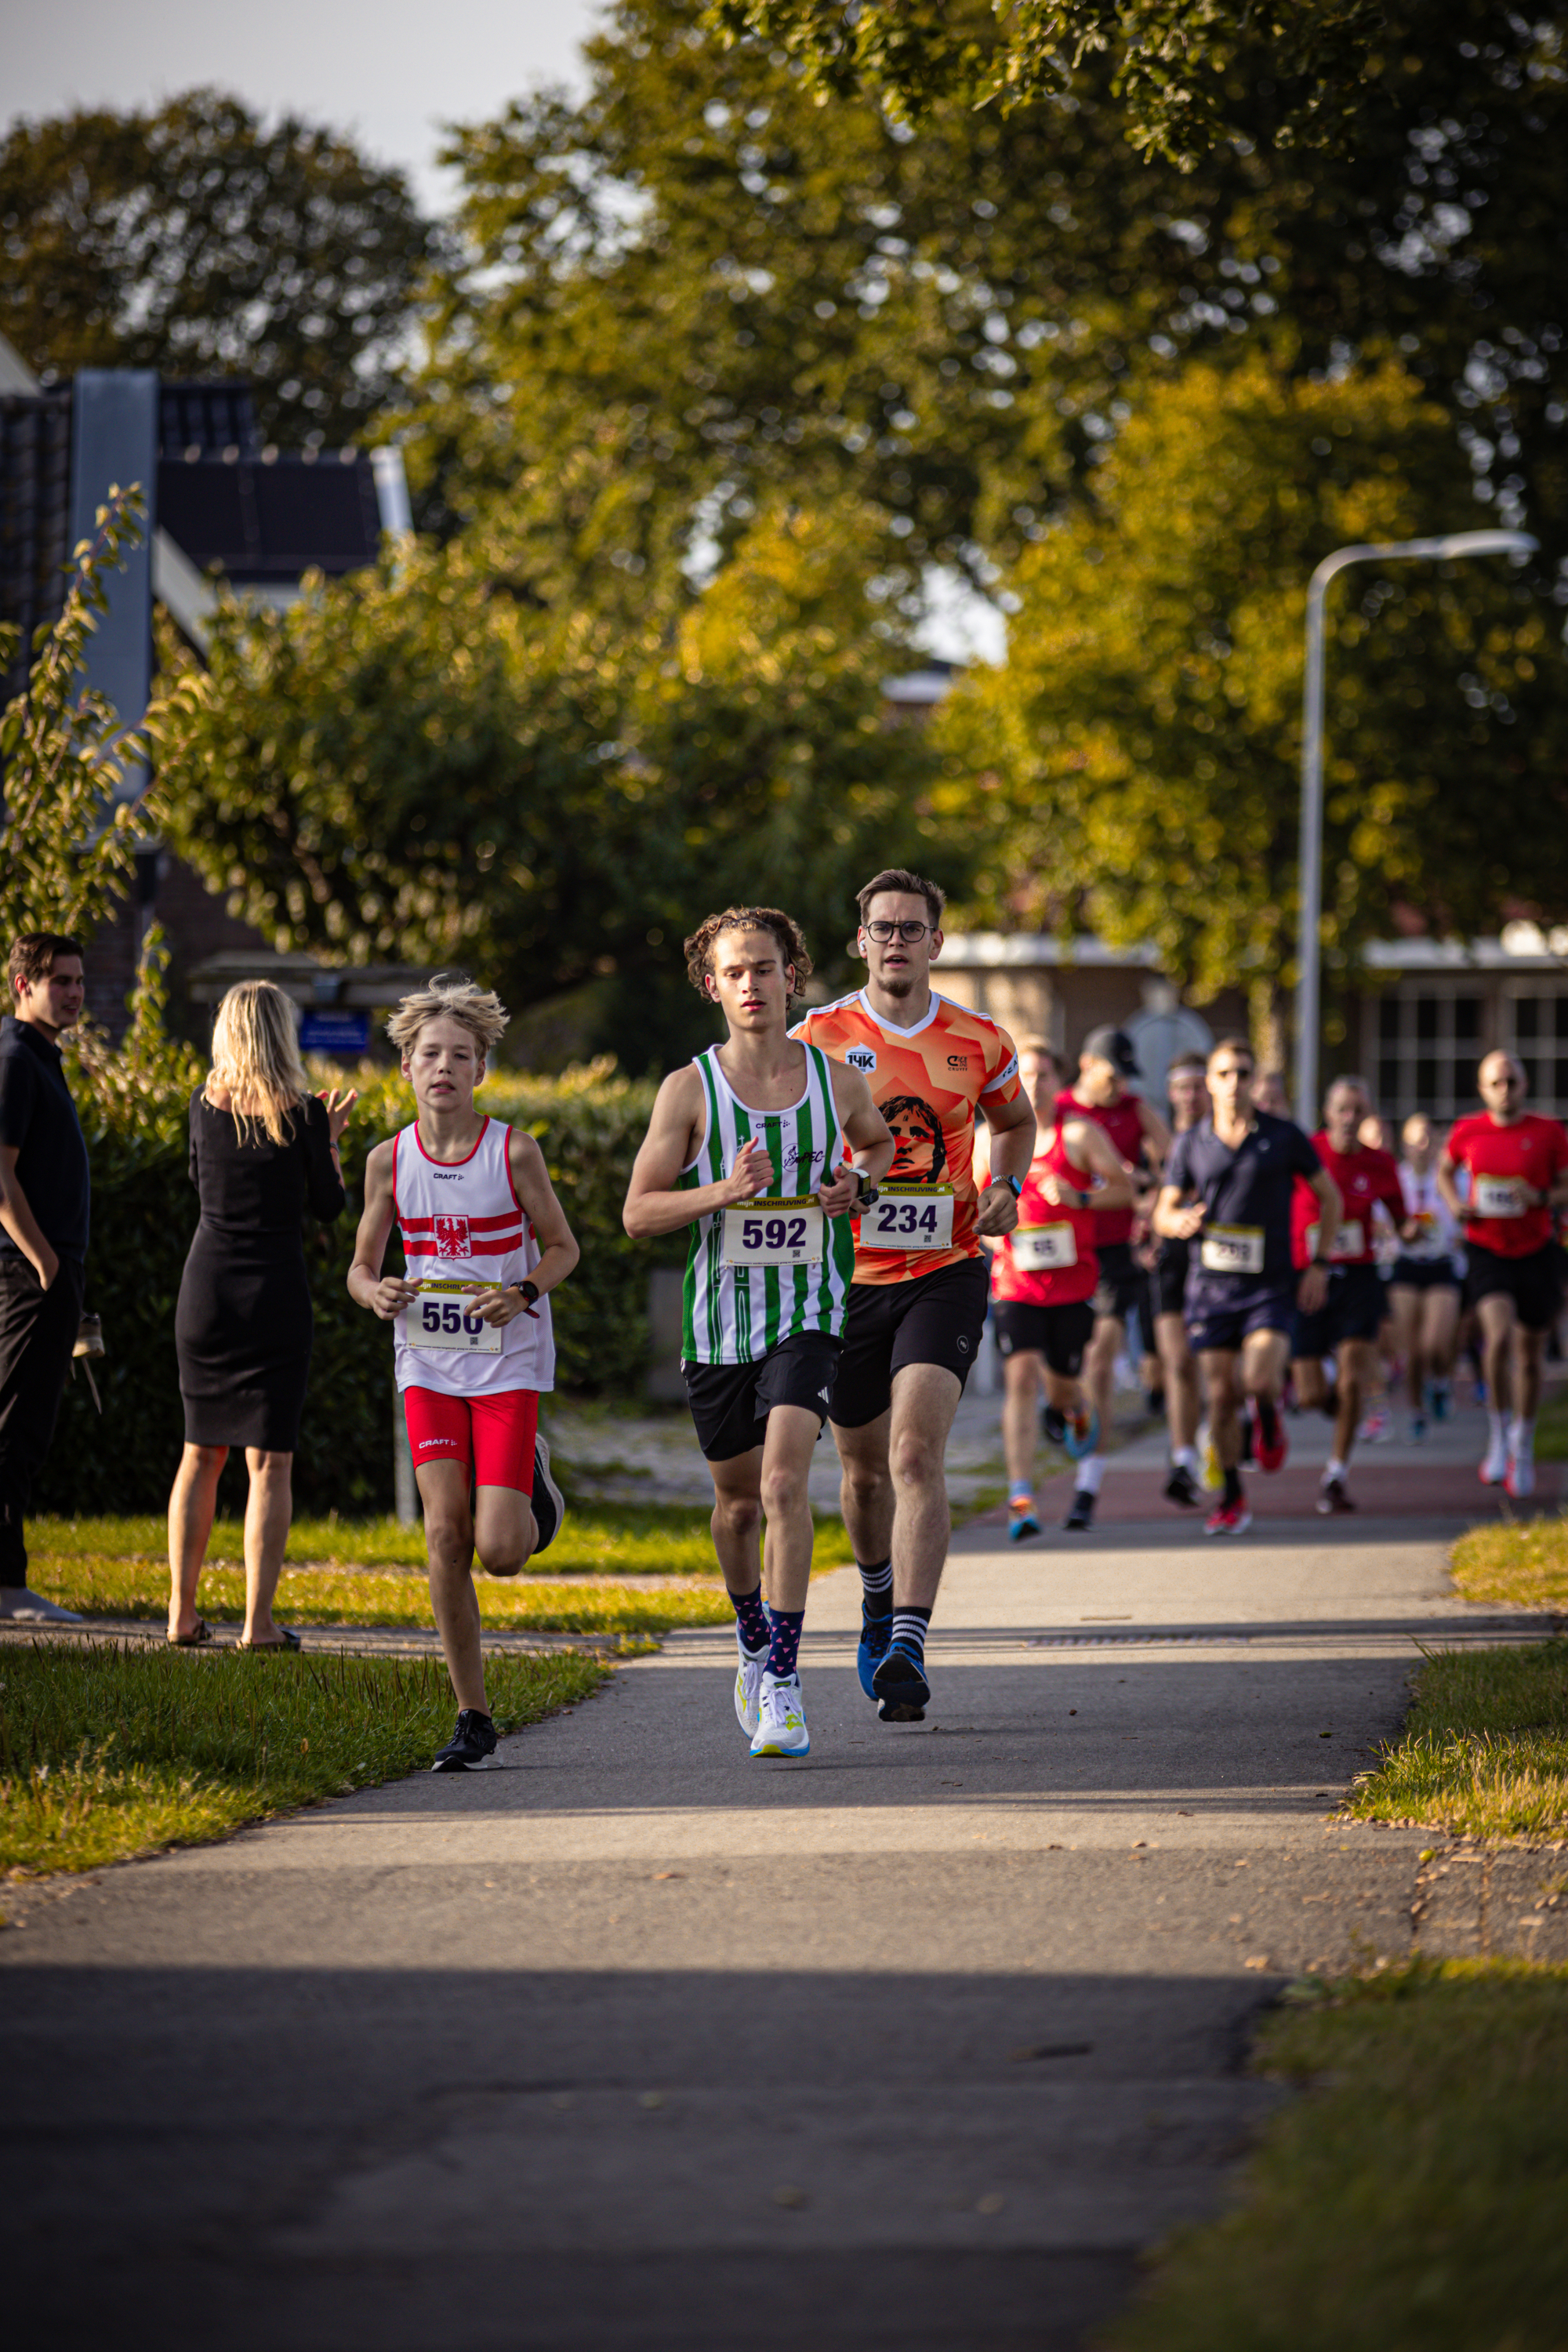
{"x": 72, "y": 815}
{"x": 1137, "y": 758}
{"x": 200, "y": 241}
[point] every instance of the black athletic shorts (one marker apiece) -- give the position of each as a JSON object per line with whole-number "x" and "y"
{"x": 1353, "y": 1309}
{"x": 936, "y": 1318}
{"x": 1168, "y": 1281}
{"x": 1423, "y": 1273}
{"x": 730, "y": 1403}
{"x": 1533, "y": 1283}
{"x": 1060, "y": 1334}
{"x": 1122, "y": 1281}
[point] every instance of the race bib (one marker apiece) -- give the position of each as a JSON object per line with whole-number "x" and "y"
{"x": 773, "y": 1232}
{"x": 1232, "y": 1249}
{"x": 1043, "y": 1249}
{"x": 1348, "y": 1241}
{"x": 908, "y": 1217}
{"x": 1497, "y": 1196}
{"x": 437, "y": 1321}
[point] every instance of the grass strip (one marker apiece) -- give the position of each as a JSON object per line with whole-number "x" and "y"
{"x": 110, "y": 1751}
{"x": 1414, "y": 2197}
{"x": 1520, "y": 1560}
{"x": 1484, "y": 1750}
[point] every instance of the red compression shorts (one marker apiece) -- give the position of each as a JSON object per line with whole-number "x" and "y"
{"x": 491, "y": 1433}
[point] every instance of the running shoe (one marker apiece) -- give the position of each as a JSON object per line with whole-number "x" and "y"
{"x": 1181, "y": 1487}
{"x": 1053, "y": 1422}
{"x": 28, "y": 1608}
{"x": 1230, "y": 1519}
{"x": 901, "y": 1688}
{"x": 1493, "y": 1470}
{"x": 1081, "y": 1515}
{"x": 1520, "y": 1480}
{"x": 875, "y": 1633}
{"x": 1021, "y": 1521}
{"x": 1332, "y": 1498}
{"x": 781, "y": 1718}
{"x": 1270, "y": 1443}
{"x": 1417, "y": 1429}
{"x": 1213, "y": 1475}
{"x": 1376, "y": 1429}
{"x": 1440, "y": 1398}
{"x": 1082, "y": 1433}
{"x": 549, "y": 1510}
{"x": 748, "y": 1685}
{"x": 471, "y": 1748}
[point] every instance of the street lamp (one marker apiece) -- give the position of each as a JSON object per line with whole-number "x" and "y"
{"x": 1309, "y": 949}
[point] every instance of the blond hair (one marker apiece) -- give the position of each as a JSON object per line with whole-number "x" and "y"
{"x": 451, "y": 996}
{"x": 256, "y": 1057}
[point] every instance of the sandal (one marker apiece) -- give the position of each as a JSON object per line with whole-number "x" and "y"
{"x": 286, "y": 1639}
{"x": 200, "y": 1631}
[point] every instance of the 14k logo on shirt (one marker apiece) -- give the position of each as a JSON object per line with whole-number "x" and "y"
{"x": 862, "y": 1058}
{"x": 452, "y": 1237}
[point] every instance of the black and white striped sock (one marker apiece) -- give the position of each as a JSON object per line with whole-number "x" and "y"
{"x": 876, "y": 1587}
{"x": 909, "y": 1628}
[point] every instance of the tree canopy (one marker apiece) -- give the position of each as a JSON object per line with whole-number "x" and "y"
{"x": 196, "y": 240}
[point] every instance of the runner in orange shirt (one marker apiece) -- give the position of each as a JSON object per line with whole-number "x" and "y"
{"x": 917, "y": 1304}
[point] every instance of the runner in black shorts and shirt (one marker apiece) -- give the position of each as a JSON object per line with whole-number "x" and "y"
{"x": 1228, "y": 1187}
{"x": 1167, "y": 1334}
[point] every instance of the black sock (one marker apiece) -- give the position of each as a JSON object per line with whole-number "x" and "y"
{"x": 876, "y": 1587}
{"x": 1231, "y": 1488}
{"x": 909, "y": 1628}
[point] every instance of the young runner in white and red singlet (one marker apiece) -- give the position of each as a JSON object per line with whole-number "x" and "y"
{"x": 1517, "y": 1164}
{"x": 485, "y": 1241}
{"x": 1043, "y": 1278}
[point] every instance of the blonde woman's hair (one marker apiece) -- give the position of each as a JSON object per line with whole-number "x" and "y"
{"x": 452, "y": 997}
{"x": 256, "y": 1055}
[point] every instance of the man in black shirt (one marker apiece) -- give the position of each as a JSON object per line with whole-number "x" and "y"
{"x": 1228, "y": 1188}
{"x": 43, "y": 1202}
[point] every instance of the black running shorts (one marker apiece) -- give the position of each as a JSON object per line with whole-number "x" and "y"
{"x": 1060, "y": 1334}
{"x": 1168, "y": 1280}
{"x": 1423, "y": 1273}
{"x": 936, "y": 1318}
{"x": 1123, "y": 1284}
{"x": 1534, "y": 1283}
{"x": 1353, "y": 1309}
{"x": 730, "y": 1403}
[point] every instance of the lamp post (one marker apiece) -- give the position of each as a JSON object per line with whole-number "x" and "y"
{"x": 1309, "y": 947}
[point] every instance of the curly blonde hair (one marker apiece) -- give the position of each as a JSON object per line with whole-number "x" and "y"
{"x": 255, "y": 1058}
{"x": 451, "y": 996}
{"x": 700, "y": 945}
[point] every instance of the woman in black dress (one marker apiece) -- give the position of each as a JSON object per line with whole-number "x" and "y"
{"x": 263, "y": 1149}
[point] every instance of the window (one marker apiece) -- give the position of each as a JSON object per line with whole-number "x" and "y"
{"x": 1428, "y": 1044}
{"x": 1536, "y": 1027}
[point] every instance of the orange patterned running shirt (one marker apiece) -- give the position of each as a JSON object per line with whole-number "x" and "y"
{"x": 927, "y": 1082}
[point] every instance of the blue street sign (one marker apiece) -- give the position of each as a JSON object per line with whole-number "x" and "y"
{"x": 333, "y": 1033}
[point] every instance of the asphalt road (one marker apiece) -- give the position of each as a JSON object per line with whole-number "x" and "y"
{"x": 641, "y": 2044}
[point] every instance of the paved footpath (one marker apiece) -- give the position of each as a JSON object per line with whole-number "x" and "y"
{"x": 641, "y": 2045}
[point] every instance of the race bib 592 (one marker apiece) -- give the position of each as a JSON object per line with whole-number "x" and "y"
{"x": 773, "y": 1232}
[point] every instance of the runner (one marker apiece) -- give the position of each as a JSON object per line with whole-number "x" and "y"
{"x": 1517, "y": 1164}
{"x": 917, "y": 1306}
{"x": 1347, "y": 1323}
{"x": 484, "y": 1240}
{"x": 749, "y": 1145}
{"x": 1270, "y": 1094}
{"x": 1188, "y": 1097}
{"x": 1425, "y": 1281}
{"x": 1228, "y": 1186}
{"x": 1042, "y": 1278}
{"x": 1101, "y": 1093}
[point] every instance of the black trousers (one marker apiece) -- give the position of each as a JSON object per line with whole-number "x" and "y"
{"x": 37, "y": 1333}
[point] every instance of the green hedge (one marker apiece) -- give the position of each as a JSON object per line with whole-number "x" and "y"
{"x": 135, "y": 1108}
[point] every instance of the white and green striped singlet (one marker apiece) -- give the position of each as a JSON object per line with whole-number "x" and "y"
{"x": 736, "y": 1314}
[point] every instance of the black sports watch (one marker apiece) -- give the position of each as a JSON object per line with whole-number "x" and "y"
{"x": 1017, "y": 1184}
{"x": 528, "y": 1292}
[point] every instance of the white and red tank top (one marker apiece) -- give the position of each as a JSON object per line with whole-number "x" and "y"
{"x": 1049, "y": 1259}
{"x": 462, "y": 1221}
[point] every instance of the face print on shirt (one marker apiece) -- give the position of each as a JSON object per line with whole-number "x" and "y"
{"x": 922, "y": 1155}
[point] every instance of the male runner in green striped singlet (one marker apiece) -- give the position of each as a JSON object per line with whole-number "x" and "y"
{"x": 751, "y": 1146}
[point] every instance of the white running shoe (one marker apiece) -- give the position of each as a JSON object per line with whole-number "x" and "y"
{"x": 24, "y": 1607}
{"x": 1494, "y": 1469}
{"x": 780, "y": 1726}
{"x": 748, "y": 1686}
{"x": 1520, "y": 1480}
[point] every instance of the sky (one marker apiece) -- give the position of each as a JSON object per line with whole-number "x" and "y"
{"x": 390, "y": 72}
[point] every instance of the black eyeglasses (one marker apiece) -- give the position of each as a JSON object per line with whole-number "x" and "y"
{"x": 908, "y": 932}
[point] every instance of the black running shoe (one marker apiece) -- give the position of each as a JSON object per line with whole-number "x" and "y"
{"x": 1081, "y": 1515}
{"x": 1053, "y": 1422}
{"x": 1181, "y": 1487}
{"x": 901, "y": 1686}
{"x": 471, "y": 1748}
{"x": 549, "y": 1510}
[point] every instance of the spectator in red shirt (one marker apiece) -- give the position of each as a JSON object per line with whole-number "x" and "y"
{"x": 1518, "y": 1168}
{"x": 1346, "y": 1326}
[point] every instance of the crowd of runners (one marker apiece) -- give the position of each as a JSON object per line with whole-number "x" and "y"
{"x": 863, "y": 1188}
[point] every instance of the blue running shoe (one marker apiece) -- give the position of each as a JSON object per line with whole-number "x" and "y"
{"x": 1082, "y": 1433}
{"x": 901, "y": 1686}
{"x": 1022, "y": 1523}
{"x": 875, "y": 1633}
